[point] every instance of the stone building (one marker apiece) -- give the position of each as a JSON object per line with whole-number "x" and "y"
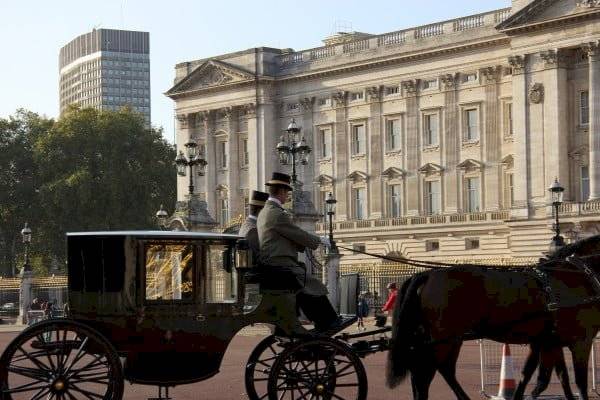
{"x": 106, "y": 69}
{"x": 438, "y": 141}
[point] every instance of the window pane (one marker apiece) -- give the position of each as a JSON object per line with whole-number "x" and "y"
{"x": 325, "y": 143}
{"x": 472, "y": 194}
{"x": 393, "y": 134}
{"x": 395, "y": 201}
{"x": 472, "y": 125}
{"x": 585, "y": 183}
{"x": 221, "y": 286}
{"x": 169, "y": 272}
{"x": 584, "y": 113}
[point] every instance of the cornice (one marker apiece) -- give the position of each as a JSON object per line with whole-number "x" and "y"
{"x": 560, "y": 21}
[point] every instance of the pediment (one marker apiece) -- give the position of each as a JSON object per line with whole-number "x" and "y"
{"x": 211, "y": 74}
{"x": 549, "y": 11}
{"x": 323, "y": 180}
{"x": 508, "y": 161}
{"x": 430, "y": 168}
{"x": 357, "y": 176}
{"x": 393, "y": 172}
{"x": 470, "y": 164}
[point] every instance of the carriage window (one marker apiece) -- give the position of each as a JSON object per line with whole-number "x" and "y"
{"x": 221, "y": 284}
{"x": 169, "y": 272}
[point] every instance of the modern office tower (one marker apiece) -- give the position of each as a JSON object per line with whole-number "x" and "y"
{"x": 106, "y": 69}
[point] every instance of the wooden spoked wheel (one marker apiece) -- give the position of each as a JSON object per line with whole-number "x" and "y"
{"x": 62, "y": 360}
{"x": 259, "y": 366}
{"x": 320, "y": 369}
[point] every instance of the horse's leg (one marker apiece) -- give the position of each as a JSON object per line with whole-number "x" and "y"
{"x": 529, "y": 367}
{"x": 447, "y": 358}
{"x": 547, "y": 359}
{"x": 422, "y": 373}
{"x": 563, "y": 374}
{"x": 581, "y": 354}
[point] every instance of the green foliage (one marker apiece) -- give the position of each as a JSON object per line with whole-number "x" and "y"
{"x": 90, "y": 170}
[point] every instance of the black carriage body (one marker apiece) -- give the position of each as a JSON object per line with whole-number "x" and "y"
{"x": 170, "y": 302}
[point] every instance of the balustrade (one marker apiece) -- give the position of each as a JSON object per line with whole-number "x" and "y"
{"x": 429, "y": 30}
{"x": 471, "y": 22}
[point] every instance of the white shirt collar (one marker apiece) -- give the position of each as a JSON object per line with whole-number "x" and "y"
{"x": 276, "y": 201}
{"x": 252, "y": 217}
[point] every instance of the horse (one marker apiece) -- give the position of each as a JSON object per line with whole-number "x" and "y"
{"x": 437, "y": 310}
{"x": 546, "y": 360}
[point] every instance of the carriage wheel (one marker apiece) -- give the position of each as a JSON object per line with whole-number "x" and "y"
{"x": 318, "y": 369}
{"x": 259, "y": 366}
{"x": 62, "y": 360}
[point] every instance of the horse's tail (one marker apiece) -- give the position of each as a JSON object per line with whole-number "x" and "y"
{"x": 404, "y": 327}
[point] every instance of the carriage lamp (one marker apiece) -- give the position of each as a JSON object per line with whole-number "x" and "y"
{"x": 293, "y": 148}
{"x": 192, "y": 160}
{"x": 161, "y": 217}
{"x": 556, "y": 195}
{"x": 26, "y": 234}
{"x": 330, "y": 208}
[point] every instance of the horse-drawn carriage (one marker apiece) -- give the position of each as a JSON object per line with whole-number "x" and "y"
{"x": 160, "y": 308}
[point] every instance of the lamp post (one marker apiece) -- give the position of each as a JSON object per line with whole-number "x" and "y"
{"x": 192, "y": 159}
{"x": 161, "y": 218}
{"x": 330, "y": 208}
{"x": 556, "y": 195}
{"x": 26, "y": 235}
{"x": 293, "y": 149}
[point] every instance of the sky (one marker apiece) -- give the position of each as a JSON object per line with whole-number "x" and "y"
{"x": 33, "y": 31}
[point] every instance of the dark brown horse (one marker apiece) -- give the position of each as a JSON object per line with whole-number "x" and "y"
{"x": 439, "y": 309}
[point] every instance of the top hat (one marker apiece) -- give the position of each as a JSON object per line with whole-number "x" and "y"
{"x": 279, "y": 179}
{"x": 258, "y": 198}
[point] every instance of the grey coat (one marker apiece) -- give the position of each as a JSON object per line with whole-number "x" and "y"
{"x": 248, "y": 230}
{"x": 281, "y": 240}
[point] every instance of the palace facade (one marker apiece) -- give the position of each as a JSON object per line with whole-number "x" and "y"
{"x": 438, "y": 141}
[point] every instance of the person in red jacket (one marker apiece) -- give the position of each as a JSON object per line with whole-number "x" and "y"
{"x": 391, "y": 300}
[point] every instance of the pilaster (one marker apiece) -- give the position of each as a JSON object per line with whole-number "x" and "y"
{"x": 413, "y": 150}
{"x": 451, "y": 142}
{"x": 307, "y": 172}
{"x": 521, "y": 137}
{"x": 255, "y": 144}
{"x": 341, "y": 155}
{"x": 183, "y": 135}
{"x": 211, "y": 160}
{"x": 236, "y": 205}
{"x": 491, "y": 140}
{"x": 593, "y": 52}
{"x": 375, "y": 159}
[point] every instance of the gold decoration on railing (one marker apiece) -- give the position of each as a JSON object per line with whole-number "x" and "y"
{"x": 238, "y": 220}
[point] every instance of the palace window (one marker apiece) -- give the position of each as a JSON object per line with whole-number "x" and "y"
{"x": 223, "y": 154}
{"x": 325, "y": 139}
{"x": 472, "y": 195}
{"x": 223, "y": 210}
{"x": 359, "y": 200}
{"x": 432, "y": 245}
{"x": 430, "y": 84}
{"x": 508, "y": 119}
{"x": 324, "y": 101}
{"x": 433, "y": 199}
{"x": 471, "y": 118}
{"x": 471, "y": 243}
{"x": 392, "y": 90}
{"x": 245, "y": 154}
{"x": 356, "y": 247}
{"x": 246, "y": 206}
{"x": 394, "y": 201}
{"x": 358, "y": 139}
{"x": 584, "y": 108}
{"x": 585, "y": 183}
{"x": 393, "y": 134}
{"x": 355, "y": 96}
{"x": 469, "y": 78}
{"x": 430, "y": 129}
{"x": 509, "y": 190}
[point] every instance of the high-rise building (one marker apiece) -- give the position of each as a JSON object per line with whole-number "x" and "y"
{"x": 438, "y": 141}
{"x": 106, "y": 69}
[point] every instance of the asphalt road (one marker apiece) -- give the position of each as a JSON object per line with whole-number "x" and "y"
{"x": 229, "y": 383}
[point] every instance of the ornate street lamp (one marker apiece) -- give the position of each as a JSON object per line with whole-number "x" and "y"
{"x": 192, "y": 159}
{"x": 161, "y": 218}
{"x": 330, "y": 208}
{"x": 293, "y": 149}
{"x": 556, "y": 195}
{"x": 26, "y": 235}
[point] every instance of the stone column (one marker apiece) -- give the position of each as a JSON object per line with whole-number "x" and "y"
{"x": 307, "y": 172}
{"x": 521, "y": 137}
{"x": 333, "y": 282}
{"x": 268, "y": 131}
{"x": 183, "y": 135}
{"x": 594, "y": 95}
{"x": 211, "y": 159}
{"x": 490, "y": 141}
{"x": 413, "y": 150}
{"x": 375, "y": 160}
{"x": 451, "y": 142}
{"x": 556, "y": 126}
{"x": 255, "y": 145}
{"x": 236, "y": 203}
{"x": 25, "y": 296}
{"x": 341, "y": 156}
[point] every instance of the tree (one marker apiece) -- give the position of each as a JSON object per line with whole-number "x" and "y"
{"x": 101, "y": 170}
{"x": 19, "y": 197}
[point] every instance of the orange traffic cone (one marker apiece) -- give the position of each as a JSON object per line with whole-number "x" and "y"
{"x": 507, "y": 375}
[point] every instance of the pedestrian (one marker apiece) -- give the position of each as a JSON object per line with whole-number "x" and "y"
{"x": 362, "y": 310}
{"x": 391, "y": 300}
{"x": 35, "y": 304}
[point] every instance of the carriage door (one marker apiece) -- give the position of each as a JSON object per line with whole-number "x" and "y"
{"x": 220, "y": 283}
